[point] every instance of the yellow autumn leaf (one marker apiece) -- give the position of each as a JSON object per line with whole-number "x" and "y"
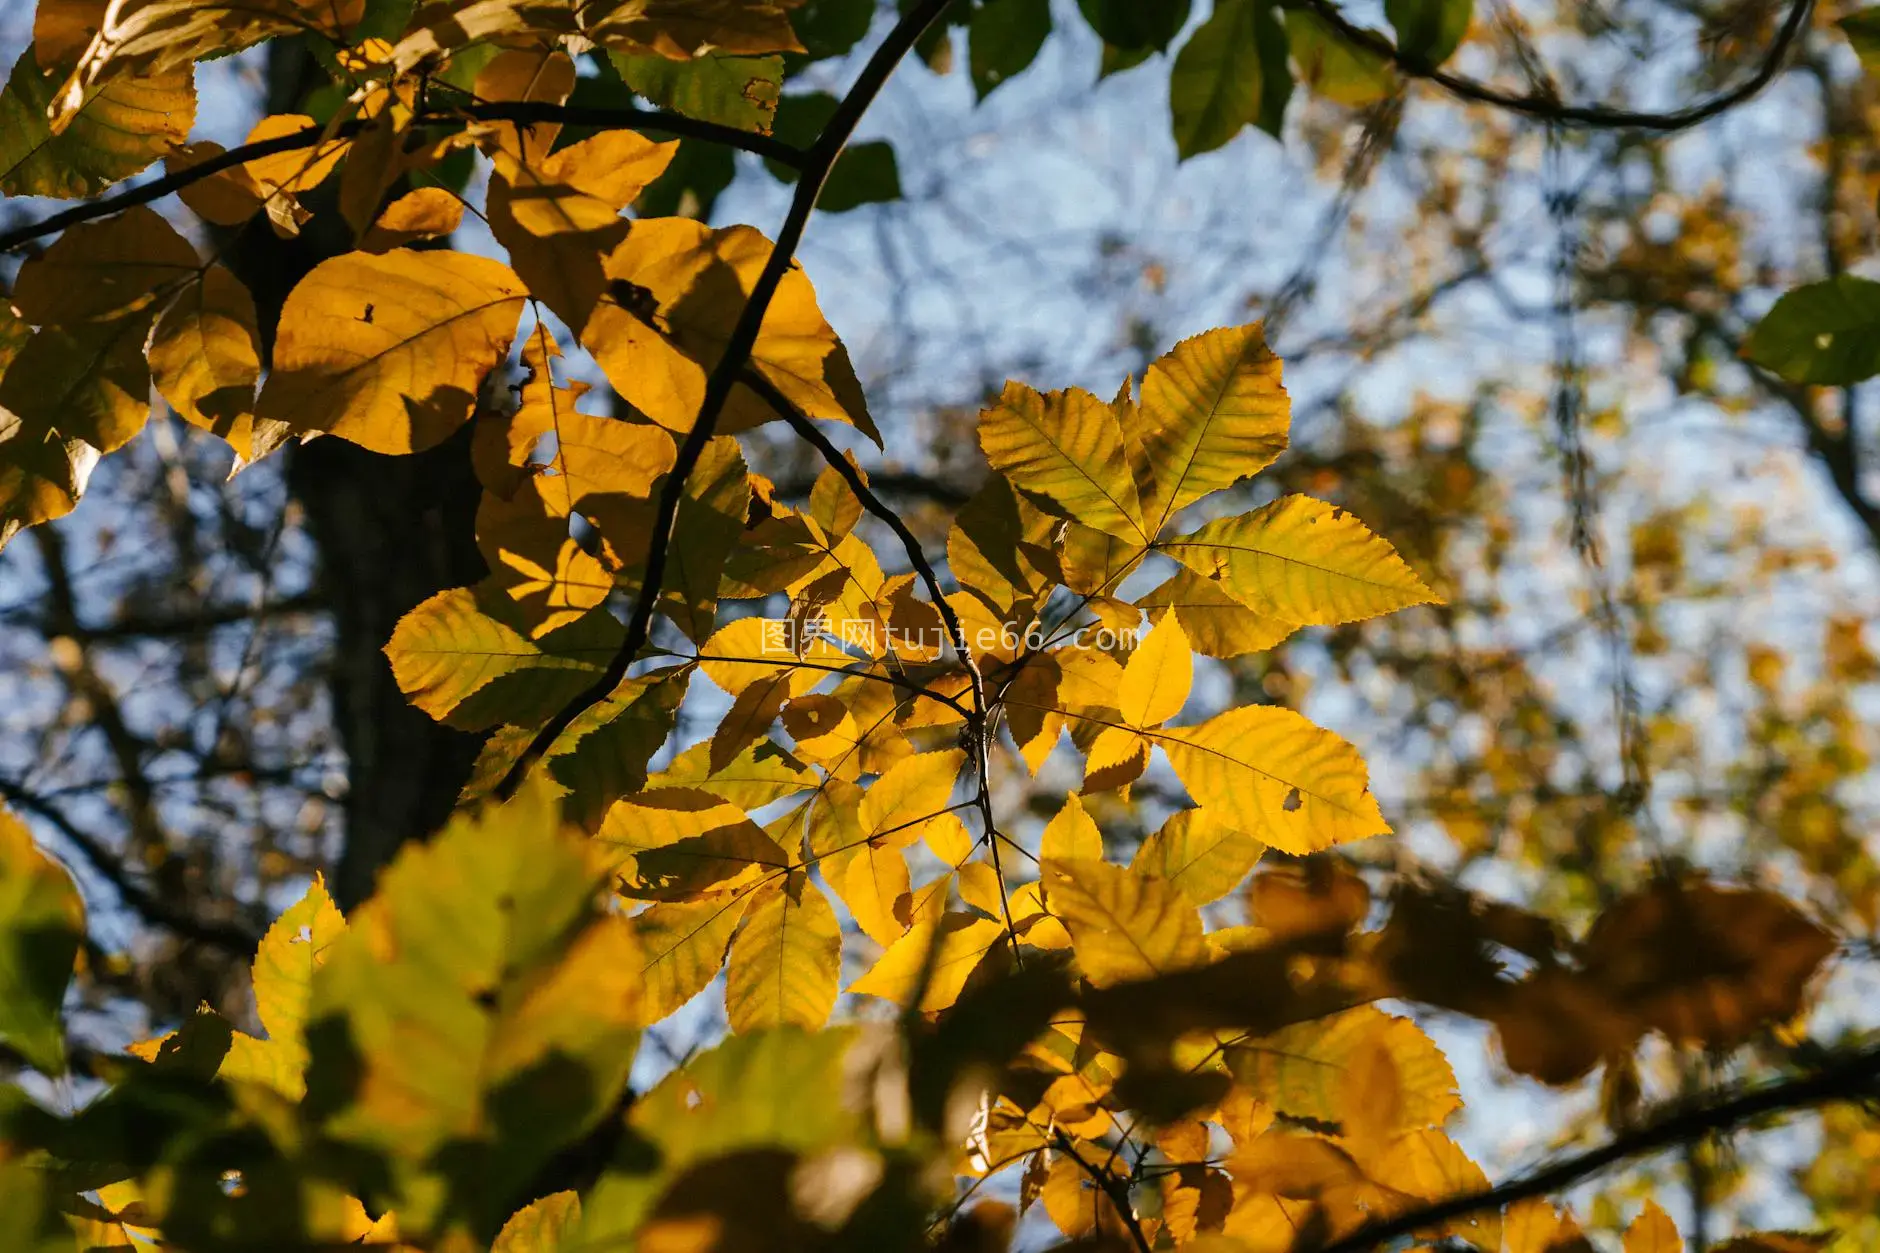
{"x": 1157, "y": 676}
{"x": 584, "y": 186}
{"x": 542, "y": 1226}
{"x": 1199, "y": 855}
{"x": 1653, "y": 1232}
{"x": 1217, "y": 625}
{"x": 427, "y": 213}
{"x": 680, "y": 30}
{"x": 785, "y": 965}
{"x": 42, "y": 474}
{"x": 452, "y": 649}
{"x": 1117, "y": 758}
{"x": 1213, "y": 412}
{"x": 682, "y": 944}
{"x": 1267, "y": 769}
{"x": 1425, "y": 1166}
{"x": 1362, "y": 1070}
{"x": 285, "y": 961}
{"x": 1064, "y": 450}
{"x": 1071, "y": 834}
{"x": 1301, "y": 560}
{"x": 1534, "y": 1226}
{"x": 872, "y": 882}
{"x": 959, "y": 942}
{"x": 87, "y": 382}
{"x": 904, "y": 798}
{"x": 107, "y": 269}
{"x": 205, "y": 359}
{"x": 678, "y": 843}
{"x": 389, "y": 351}
{"x": 1125, "y": 924}
{"x": 110, "y": 132}
{"x": 675, "y": 291}
{"x": 141, "y": 38}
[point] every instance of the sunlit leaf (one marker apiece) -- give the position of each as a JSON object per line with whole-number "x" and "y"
{"x": 1213, "y": 413}
{"x": 389, "y": 351}
{"x": 1199, "y": 855}
{"x": 1125, "y": 924}
{"x": 1266, "y": 769}
{"x": 1065, "y": 451}
{"x": 113, "y": 132}
{"x": 1071, "y": 834}
{"x": 41, "y": 923}
{"x": 1157, "y": 677}
{"x": 682, "y": 945}
{"x": 785, "y": 965}
{"x": 947, "y": 952}
{"x": 1302, "y": 560}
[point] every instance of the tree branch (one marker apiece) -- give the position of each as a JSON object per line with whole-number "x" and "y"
{"x": 1848, "y": 1077}
{"x": 725, "y": 374}
{"x": 523, "y": 112}
{"x": 1549, "y": 108}
{"x": 232, "y": 938}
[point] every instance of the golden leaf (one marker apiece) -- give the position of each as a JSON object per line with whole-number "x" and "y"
{"x": 786, "y": 963}
{"x": 1065, "y": 451}
{"x": 907, "y": 796}
{"x": 1301, "y": 560}
{"x": 1653, "y": 1232}
{"x": 1125, "y": 924}
{"x": 110, "y": 132}
{"x": 1266, "y": 769}
{"x": 1071, "y": 834}
{"x": 102, "y": 270}
{"x": 678, "y": 843}
{"x": 959, "y": 941}
{"x": 205, "y": 359}
{"x": 675, "y": 290}
{"x": 1157, "y": 677}
{"x": 682, "y": 944}
{"x": 427, "y": 213}
{"x": 389, "y": 351}
{"x": 1216, "y": 623}
{"x": 1214, "y": 413}
{"x": 1199, "y": 855}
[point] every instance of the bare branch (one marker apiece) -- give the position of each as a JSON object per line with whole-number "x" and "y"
{"x": 1549, "y": 108}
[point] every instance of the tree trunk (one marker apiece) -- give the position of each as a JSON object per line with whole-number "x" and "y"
{"x": 390, "y": 533}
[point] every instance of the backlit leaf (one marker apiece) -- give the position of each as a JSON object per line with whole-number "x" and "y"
{"x": 1429, "y": 31}
{"x": 786, "y": 963}
{"x": 1653, "y": 1232}
{"x": 1826, "y": 332}
{"x": 1302, "y": 560}
{"x": 1214, "y": 413}
{"x": 903, "y": 799}
{"x": 1217, "y": 625}
{"x": 671, "y": 845}
{"x": 675, "y": 290}
{"x": 42, "y": 921}
{"x": 108, "y": 269}
{"x": 205, "y": 359}
{"x": 389, "y": 351}
{"x": 1157, "y": 677}
{"x": 1065, "y": 451}
{"x": 427, "y": 213}
{"x": 1199, "y": 855}
{"x": 115, "y": 130}
{"x": 682, "y": 945}
{"x": 958, "y": 942}
{"x": 1267, "y": 769}
{"x": 482, "y": 987}
{"x": 729, "y": 90}
{"x": 1125, "y": 924}
{"x": 1071, "y": 834}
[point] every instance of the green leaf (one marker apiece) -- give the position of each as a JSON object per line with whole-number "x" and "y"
{"x": 732, "y": 91}
{"x": 1133, "y": 24}
{"x": 478, "y": 1013}
{"x": 41, "y": 923}
{"x": 1004, "y": 38}
{"x": 1429, "y": 31}
{"x": 1230, "y": 74}
{"x": 778, "y": 1089}
{"x": 546, "y": 1226}
{"x": 121, "y": 127}
{"x": 865, "y": 173}
{"x": 1334, "y": 67}
{"x": 829, "y": 28}
{"x": 1825, "y": 333}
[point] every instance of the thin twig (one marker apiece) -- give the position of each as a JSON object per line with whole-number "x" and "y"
{"x": 729, "y": 368}
{"x": 978, "y": 724}
{"x": 1846, "y": 1078}
{"x": 1112, "y": 1187}
{"x": 1549, "y": 108}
